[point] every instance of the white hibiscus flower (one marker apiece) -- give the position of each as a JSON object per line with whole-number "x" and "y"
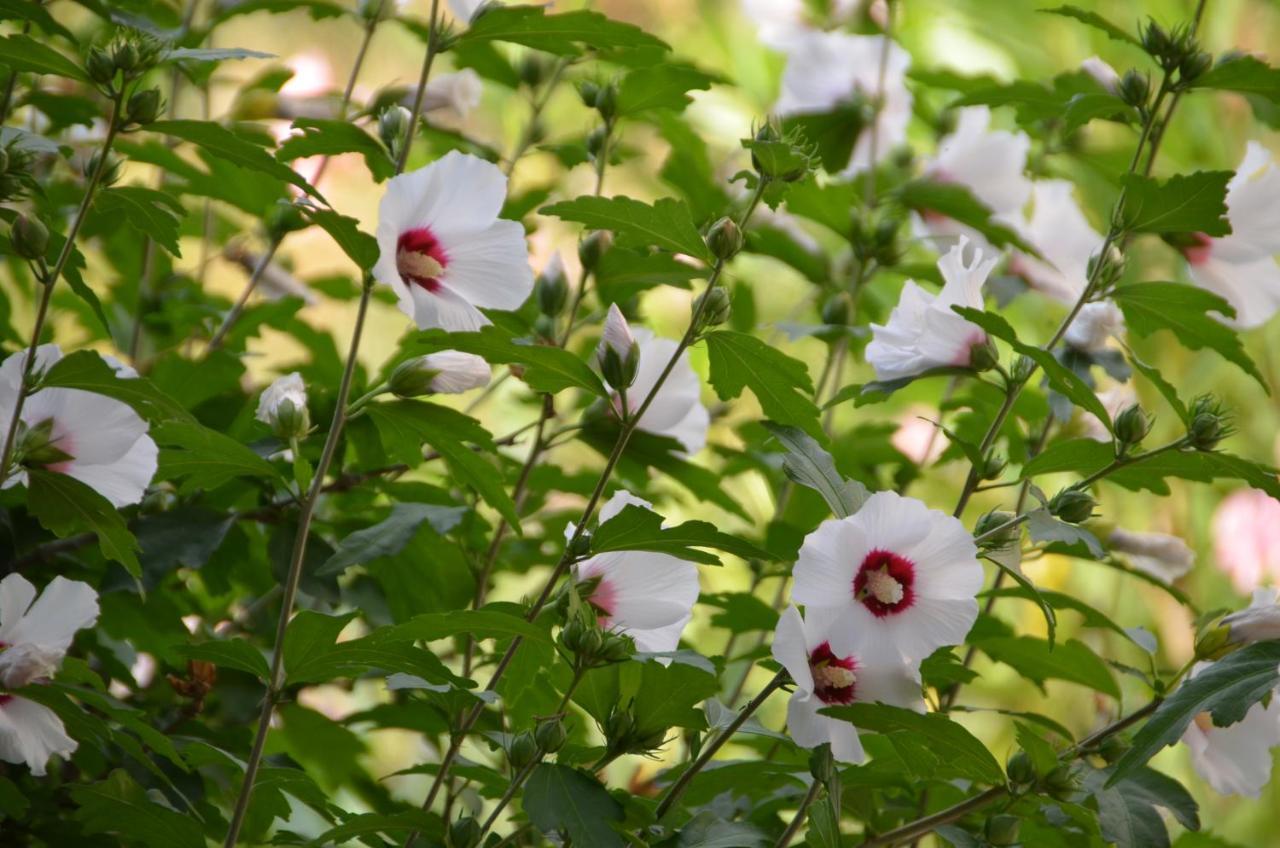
{"x": 1161, "y": 555}
{"x": 645, "y": 595}
{"x": 34, "y": 637}
{"x": 826, "y": 676}
{"x": 903, "y": 576}
{"x": 1064, "y": 238}
{"x": 95, "y": 439}
{"x": 779, "y": 22}
{"x": 1241, "y": 267}
{"x": 444, "y": 250}
{"x": 677, "y": 410}
{"x": 923, "y": 333}
{"x": 1236, "y": 759}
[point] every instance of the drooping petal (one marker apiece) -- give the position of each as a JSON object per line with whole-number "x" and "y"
{"x": 31, "y": 733}
{"x": 791, "y": 648}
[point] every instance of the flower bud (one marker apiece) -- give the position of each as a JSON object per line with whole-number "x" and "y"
{"x": 588, "y": 91}
{"x": 1072, "y": 506}
{"x": 1205, "y": 431}
{"x": 1259, "y": 622}
{"x": 716, "y": 311}
{"x": 144, "y": 106}
{"x": 580, "y": 546}
{"x": 822, "y": 764}
{"x": 607, "y": 101}
{"x": 100, "y": 66}
{"x": 1112, "y": 748}
{"x": 282, "y": 219}
{"x": 1023, "y": 367}
{"x": 593, "y": 247}
{"x": 110, "y": 167}
{"x": 393, "y": 127}
{"x": 993, "y": 466}
{"x": 551, "y": 288}
{"x": 544, "y": 327}
{"x": 1132, "y": 426}
{"x": 1135, "y": 88}
{"x": 523, "y": 750}
{"x": 596, "y": 140}
{"x": 983, "y": 356}
{"x": 533, "y": 69}
{"x": 1022, "y": 772}
{"x": 835, "y": 310}
{"x": 447, "y": 372}
{"x": 550, "y": 735}
{"x": 1215, "y": 643}
{"x": 29, "y": 236}
{"x": 618, "y": 355}
{"x": 1002, "y": 830}
{"x": 724, "y": 239}
{"x": 616, "y": 648}
{"x": 1061, "y": 783}
{"x": 572, "y": 634}
{"x": 125, "y": 56}
{"x": 283, "y": 407}
{"x": 1193, "y": 66}
{"x": 465, "y": 833}
{"x": 991, "y": 522}
{"x": 375, "y": 10}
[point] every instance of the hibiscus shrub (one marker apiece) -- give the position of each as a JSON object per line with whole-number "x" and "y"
{"x": 829, "y": 553}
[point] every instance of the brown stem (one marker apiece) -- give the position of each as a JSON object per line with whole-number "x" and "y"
{"x": 801, "y": 812}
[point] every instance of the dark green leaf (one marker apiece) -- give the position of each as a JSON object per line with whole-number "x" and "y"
{"x": 87, "y": 371}
{"x": 66, "y": 506}
{"x": 957, "y": 202}
{"x": 230, "y": 653}
{"x": 36, "y": 13}
{"x": 1186, "y": 203}
{"x": 481, "y": 623}
{"x": 1032, "y": 658}
{"x": 359, "y": 246}
{"x": 547, "y": 369}
{"x": 119, "y": 806}
{"x": 390, "y": 535}
{"x": 1245, "y": 74}
{"x": 150, "y": 212}
{"x": 781, "y": 384}
{"x": 667, "y": 223}
{"x": 559, "y": 799}
{"x": 205, "y": 457}
{"x": 809, "y": 465}
{"x": 559, "y": 33}
{"x": 24, "y": 54}
{"x": 331, "y": 137}
{"x": 1096, "y": 21}
{"x": 638, "y": 529}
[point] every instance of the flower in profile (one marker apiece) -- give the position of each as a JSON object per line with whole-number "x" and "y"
{"x": 1236, "y": 759}
{"x": 826, "y": 676}
{"x": 1094, "y": 325}
{"x": 1161, "y": 555}
{"x": 923, "y": 332}
{"x": 1241, "y": 267}
{"x": 95, "y": 439}
{"x": 904, "y": 577}
{"x": 465, "y": 10}
{"x": 1258, "y": 622}
{"x": 618, "y": 354}
{"x": 446, "y": 372}
{"x": 828, "y": 70}
{"x": 1246, "y": 538}
{"x": 645, "y": 595}
{"x": 677, "y": 410}
{"x": 458, "y": 92}
{"x": 34, "y": 637}
{"x": 444, "y": 250}
{"x": 283, "y": 407}
{"x": 1064, "y": 238}
{"x": 989, "y": 163}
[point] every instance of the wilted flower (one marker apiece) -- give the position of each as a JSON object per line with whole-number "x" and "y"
{"x": 1246, "y": 538}
{"x": 97, "y": 440}
{"x": 1161, "y": 555}
{"x": 923, "y": 332}
{"x": 283, "y": 407}
{"x": 34, "y": 637}
{"x": 1241, "y": 267}
{"x": 645, "y": 595}
{"x": 445, "y": 251}
{"x": 827, "y": 677}
{"x": 1236, "y": 759}
{"x": 903, "y": 576}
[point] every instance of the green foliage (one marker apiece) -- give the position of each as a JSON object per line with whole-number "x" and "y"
{"x": 667, "y": 223}
{"x": 560, "y": 799}
{"x": 65, "y": 506}
{"x": 1186, "y": 203}
{"x": 638, "y": 529}
{"x": 781, "y": 384}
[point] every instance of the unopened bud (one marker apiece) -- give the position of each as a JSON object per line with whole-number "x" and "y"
{"x": 1022, "y": 771}
{"x": 29, "y": 236}
{"x": 588, "y": 91}
{"x": 1132, "y": 425}
{"x": 1072, "y": 506}
{"x": 593, "y": 247}
{"x": 1061, "y": 783}
{"x": 717, "y": 309}
{"x": 1002, "y": 830}
{"x": 550, "y": 735}
{"x": 125, "y": 56}
{"x": 283, "y": 407}
{"x": 465, "y": 833}
{"x": 282, "y": 219}
{"x": 607, "y": 101}
{"x": 1023, "y": 367}
{"x": 835, "y": 310}
{"x": 993, "y": 466}
{"x": 393, "y": 127}
{"x": 1112, "y": 748}
{"x": 615, "y": 648}
{"x": 724, "y": 239}
{"x": 1134, "y": 88}
{"x": 1215, "y": 643}
{"x": 523, "y": 750}
{"x": 618, "y": 354}
{"x": 596, "y": 140}
{"x": 552, "y": 289}
{"x": 580, "y": 546}
{"x": 821, "y": 763}
{"x": 983, "y": 356}
{"x": 992, "y": 522}
{"x": 532, "y": 69}
{"x": 1193, "y": 66}
{"x": 1205, "y": 430}
{"x": 100, "y": 66}
{"x": 144, "y": 106}
{"x": 375, "y": 10}
{"x": 110, "y": 165}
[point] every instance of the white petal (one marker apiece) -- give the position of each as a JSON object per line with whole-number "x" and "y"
{"x": 1252, "y": 288}
{"x": 1253, "y": 208}
{"x": 16, "y": 595}
{"x": 490, "y": 267}
{"x": 442, "y": 308}
{"x": 828, "y": 561}
{"x": 893, "y": 682}
{"x": 617, "y": 333}
{"x": 14, "y": 364}
{"x": 458, "y": 372}
{"x": 791, "y": 648}
{"x": 457, "y": 194}
{"x": 621, "y": 499}
{"x": 124, "y": 481}
{"x": 31, "y": 733}
{"x": 64, "y": 607}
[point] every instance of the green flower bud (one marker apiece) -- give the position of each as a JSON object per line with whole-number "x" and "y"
{"x": 596, "y": 140}
{"x": 1112, "y": 748}
{"x": 983, "y": 356}
{"x": 125, "y": 56}
{"x": 588, "y": 91}
{"x": 282, "y": 219}
{"x": 1002, "y": 830}
{"x": 30, "y": 237}
{"x": 1205, "y": 431}
{"x": 143, "y": 107}
{"x": 822, "y": 764}
{"x": 572, "y": 634}
{"x": 1215, "y": 643}
{"x": 592, "y": 642}
{"x": 412, "y": 378}
{"x": 523, "y": 750}
{"x": 550, "y": 735}
{"x": 593, "y": 247}
{"x": 616, "y": 648}
{"x": 552, "y": 289}
{"x": 394, "y": 125}
{"x": 100, "y": 67}
{"x": 1061, "y": 783}
{"x": 533, "y": 70}
{"x": 724, "y": 239}
{"x": 1022, "y": 772}
{"x": 1072, "y": 506}
{"x": 1132, "y": 426}
{"x": 618, "y": 354}
{"x": 717, "y": 310}
{"x": 465, "y": 833}
{"x": 1023, "y": 368}
{"x": 375, "y": 10}
{"x": 767, "y": 132}
{"x": 607, "y": 101}
{"x": 835, "y": 310}
{"x": 992, "y": 521}
{"x": 110, "y": 167}
{"x": 1193, "y": 66}
{"x": 1134, "y": 88}
{"x": 545, "y": 327}
{"x": 580, "y": 546}
{"x": 993, "y": 466}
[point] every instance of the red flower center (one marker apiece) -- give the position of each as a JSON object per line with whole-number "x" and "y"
{"x": 834, "y": 678}
{"x": 1198, "y": 253}
{"x": 884, "y": 583}
{"x": 420, "y": 258}
{"x": 605, "y": 600}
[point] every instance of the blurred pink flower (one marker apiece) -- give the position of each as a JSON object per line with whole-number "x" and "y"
{"x": 1246, "y": 532}
{"x": 312, "y": 75}
{"x": 917, "y": 437}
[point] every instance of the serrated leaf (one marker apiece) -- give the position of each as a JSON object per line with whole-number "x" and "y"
{"x": 1184, "y": 310}
{"x": 780, "y": 383}
{"x": 36, "y": 13}
{"x": 24, "y": 54}
{"x": 1226, "y": 690}
{"x": 1033, "y": 658}
{"x": 1094, "y": 20}
{"x": 313, "y": 654}
{"x": 119, "y": 806}
{"x": 663, "y": 86}
{"x": 560, "y": 798}
{"x": 1186, "y": 203}
{"x": 638, "y": 529}
{"x": 226, "y": 145}
{"x": 359, "y": 246}
{"x": 65, "y": 506}
{"x": 667, "y": 223}
{"x": 389, "y": 536}
{"x": 1243, "y": 73}
{"x": 320, "y": 137}
{"x": 152, "y": 213}
{"x": 809, "y": 465}
{"x": 229, "y": 653}
{"x": 205, "y": 457}
{"x": 557, "y": 33}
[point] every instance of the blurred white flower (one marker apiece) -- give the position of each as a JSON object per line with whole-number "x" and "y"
{"x": 1246, "y": 538}
{"x": 312, "y": 75}
{"x": 917, "y": 437}
{"x": 922, "y": 332}
{"x": 465, "y": 10}
{"x": 1059, "y": 231}
{"x": 1241, "y": 267}
{"x": 645, "y": 595}
{"x": 1236, "y": 759}
{"x": 458, "y": 92}
{"x": 778, "y": 22}
{"x": 1094, "y": 325}
{"x": 1105, "y": 75}
{"x": 1161, "y": 555}
{"x": 902, "y": 576}
{"x": 445, "y": 251}
{"x": 34, "y": 636}
{"x": 825, "y": 677}
{"x": 1257, "y": 622}
{"x": 677, "y": 409}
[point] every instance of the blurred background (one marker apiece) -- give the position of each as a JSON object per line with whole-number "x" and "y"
{"x": 1235, "y": 533}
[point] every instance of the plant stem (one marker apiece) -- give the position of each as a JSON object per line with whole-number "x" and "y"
{"x": 682, "y": 783}
{"x": 220, "y": 335}
{"x": 801, "y": 812}
{"x": 529, "y": 134}
{"x": 51, "y": 278}
{"x": 433, "y": 46}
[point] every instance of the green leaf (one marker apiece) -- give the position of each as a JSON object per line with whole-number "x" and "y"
{"x": 559, "y": 34}
{"x": 1094, "y": 20}
{"x": 938, "y": 746}
{"x": 36, "y": 13}
{"x": 562, "y": 799}
{"x": 1127, "y": 810}
{"x": 1083, "y": 456}
{"x": 663, "y": 86}
{"x": 638, "y": 529}
{"x": 1043, "y": 527}
{"x": 389, "y": 536}
{"x": 153, "y": 213}
{"x": 329, "y": 138}
{"x": 957, "y": 202}
{"x": 313, "y": 654}
{"x": 1065, "y": 381}
{"x": 1243, "y": 73}
{"x": 780, "y": 383}
{"x": 213, "y": 54}
{"x": 667, "y": 223}
{"x": 66, "y": 506}
{"x": 226, "y": 145}
{"x": 1035, "y": 660}
{"x": 119, "y": 806}
{"x": 377, "y": 824}
{"x": 482, "y": 624}
{"x": 1186, "y": 203}
{"x": 809, "y": 465}
{"x": 405, "y": 425}
{"x": 359, "y": 246}
{"x": 547, "y": 369}
{"x": 229, "y": 653}
{"x": 87, "y": 371}
{"x": 670, "y": 695}
{"x": 1041, "y": 752}
{"x": 833, "y": 134}
{"x": 1183, "y": 310}
{"x": 24, "y": 54}
{"x": 1226, "y": 690}
{"x": 205, "y": 457}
